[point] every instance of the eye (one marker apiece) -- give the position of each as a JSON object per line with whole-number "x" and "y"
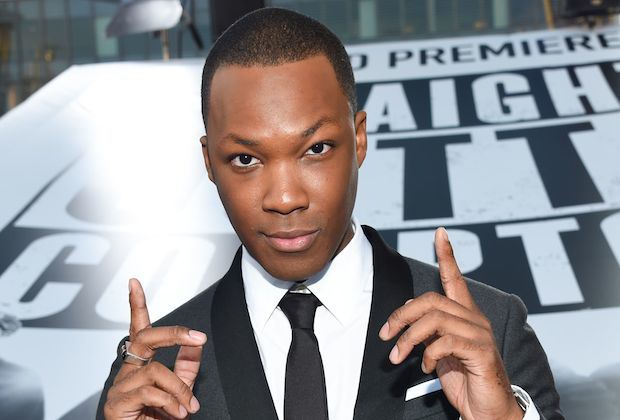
{"x": 244, "y": 160}
{"x": 319, "y": 149}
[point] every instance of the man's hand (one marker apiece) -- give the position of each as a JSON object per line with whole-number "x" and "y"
{"x": 153, "y": 391}
{"x": 459, "y": 341}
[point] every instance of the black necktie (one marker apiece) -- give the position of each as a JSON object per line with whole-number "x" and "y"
{"x": 304, "y": 390}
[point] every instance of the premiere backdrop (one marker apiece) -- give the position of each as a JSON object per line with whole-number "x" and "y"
{"x": 512, "y": 140}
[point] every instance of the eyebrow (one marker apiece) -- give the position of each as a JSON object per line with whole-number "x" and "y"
{"x": 240, "y": 140}
{"x": 320, "y": 123}
{"x": 308, "y": 132}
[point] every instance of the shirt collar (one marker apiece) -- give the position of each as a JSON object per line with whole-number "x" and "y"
{"x": 338, "y": 285}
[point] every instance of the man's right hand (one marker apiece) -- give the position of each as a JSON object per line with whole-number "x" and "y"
{"x": 153, "y": 391}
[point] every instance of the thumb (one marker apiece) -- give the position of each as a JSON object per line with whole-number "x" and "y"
{"x": 187, "y": 364}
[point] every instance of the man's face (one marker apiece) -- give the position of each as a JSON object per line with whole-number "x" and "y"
{"x": 283, "y": 150}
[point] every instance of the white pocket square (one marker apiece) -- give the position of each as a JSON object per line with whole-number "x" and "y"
{"x": 422, "y": 389}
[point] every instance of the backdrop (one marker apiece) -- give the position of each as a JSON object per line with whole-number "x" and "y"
{"x": 513, "y": 140}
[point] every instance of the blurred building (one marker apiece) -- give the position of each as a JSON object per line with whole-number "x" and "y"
{"x": 41, "y": 38}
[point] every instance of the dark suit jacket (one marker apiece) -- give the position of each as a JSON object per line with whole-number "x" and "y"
{"x": 232, "y": 384}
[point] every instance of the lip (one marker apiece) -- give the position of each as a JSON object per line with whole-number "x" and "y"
{"x": 292, "y": 240}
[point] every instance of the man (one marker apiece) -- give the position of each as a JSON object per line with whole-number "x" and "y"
{"x": 307, "y": 322}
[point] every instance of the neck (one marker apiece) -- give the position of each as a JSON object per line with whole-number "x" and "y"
{"x": 346, "y": 238}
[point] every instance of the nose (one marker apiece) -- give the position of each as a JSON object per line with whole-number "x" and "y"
{"x": 285, "y": 192}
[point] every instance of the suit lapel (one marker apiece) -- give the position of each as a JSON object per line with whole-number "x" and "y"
{"x": 382, "y": 386}
{"x": 239, "y": 364}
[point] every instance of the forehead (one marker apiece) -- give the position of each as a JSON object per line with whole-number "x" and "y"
{"x": 284, "y": 97}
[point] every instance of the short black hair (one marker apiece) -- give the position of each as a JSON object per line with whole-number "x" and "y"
{"x": 273, "y": 36}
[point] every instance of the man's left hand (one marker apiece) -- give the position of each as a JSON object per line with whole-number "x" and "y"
{"x": 460, "y": 345}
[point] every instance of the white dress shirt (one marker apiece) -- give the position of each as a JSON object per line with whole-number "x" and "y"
{"x": 344, "y": 287}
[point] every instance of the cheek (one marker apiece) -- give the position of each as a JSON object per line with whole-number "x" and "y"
{"x": 332, "y": 187}
{"x": 240, "y": 198}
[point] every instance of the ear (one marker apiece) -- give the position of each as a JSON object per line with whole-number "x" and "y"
{"x": 361, "y": 140}
{"x": 205, "y": 154}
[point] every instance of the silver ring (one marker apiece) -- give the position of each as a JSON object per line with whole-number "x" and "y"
{"x": 131, "y": 358}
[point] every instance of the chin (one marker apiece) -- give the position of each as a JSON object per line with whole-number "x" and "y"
{"x": 291, "y": 269}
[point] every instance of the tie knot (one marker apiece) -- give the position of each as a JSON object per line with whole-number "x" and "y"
{"x": 300, "y": 308}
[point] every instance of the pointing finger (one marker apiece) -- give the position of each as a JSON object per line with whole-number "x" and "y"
{"x": 451, "y": 278}
{"x": 139, "y": 312}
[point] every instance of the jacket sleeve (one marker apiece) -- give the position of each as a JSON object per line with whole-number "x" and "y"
{"x": 116, "y": 365}
{"x": 526, "y": 362}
